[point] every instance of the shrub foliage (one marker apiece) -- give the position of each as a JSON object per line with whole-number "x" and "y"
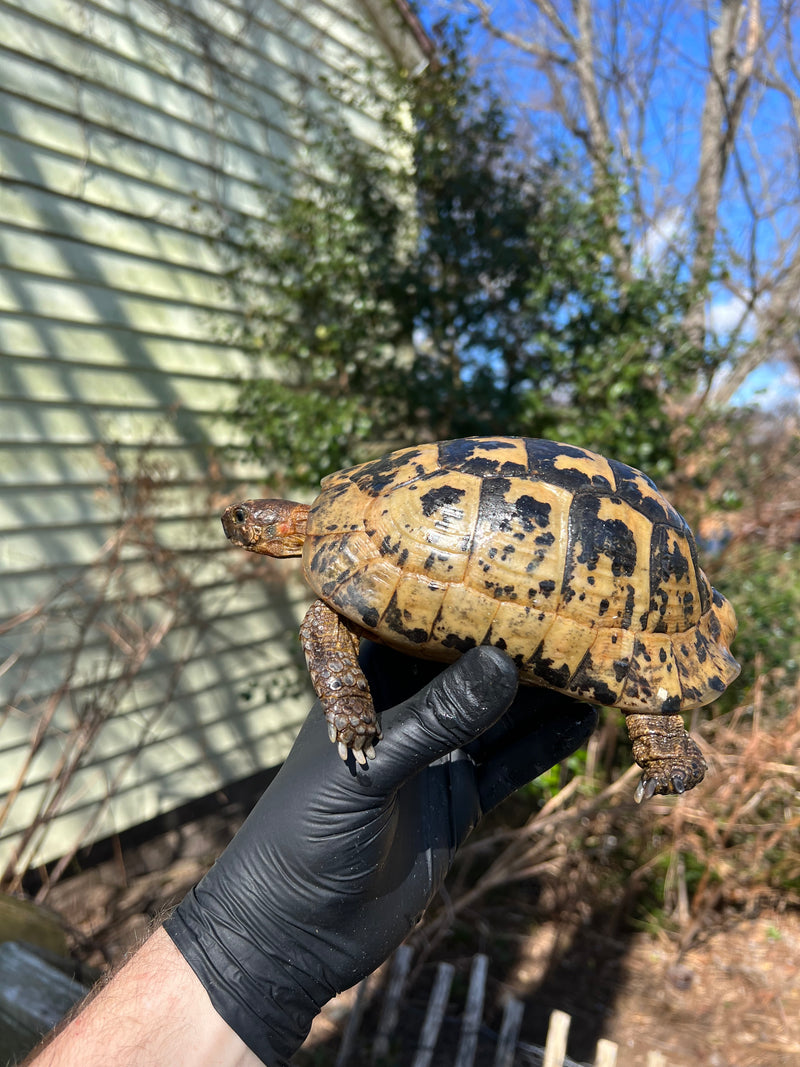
{"x": 473, "y": 290}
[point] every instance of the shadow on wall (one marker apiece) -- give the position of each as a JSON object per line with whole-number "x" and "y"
{"x": 143, "y": 662}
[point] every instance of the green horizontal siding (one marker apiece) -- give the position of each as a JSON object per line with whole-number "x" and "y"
{"x": 127, "y": 131}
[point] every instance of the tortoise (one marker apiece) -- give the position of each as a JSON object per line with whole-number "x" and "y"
{"x": 573, "y": 564}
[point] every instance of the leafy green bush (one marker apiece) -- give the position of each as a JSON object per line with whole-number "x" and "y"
{"x": 473, "y": 291}
{"x": 763, "y": 584}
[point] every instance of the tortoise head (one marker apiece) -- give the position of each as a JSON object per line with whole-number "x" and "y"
{"x": 272, "y": 527}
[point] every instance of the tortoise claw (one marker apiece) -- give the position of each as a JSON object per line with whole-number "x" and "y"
{"x": 361, "y": 745}
{"x": 671, "y": 785}
{"x": 645, "y": 789}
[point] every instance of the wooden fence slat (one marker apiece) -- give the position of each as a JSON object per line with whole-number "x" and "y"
{"x": 437, "y": 1005}
{"x": 473, "y": 1012}
{"x": 507, "y": 1046}
{"x": 350, "y": 1036}
{"x": 555, "y": 1048}
{"x": 509, "y": 1033}
{"x": 606, "y": 1053}
{"x": 391, "y": 1004}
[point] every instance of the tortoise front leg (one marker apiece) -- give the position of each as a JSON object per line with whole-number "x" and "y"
{"x": 330, "y": 643}
{"x": 670, "y": 759}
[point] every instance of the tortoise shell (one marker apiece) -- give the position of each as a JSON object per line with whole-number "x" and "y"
{"x": 574, "y": 564}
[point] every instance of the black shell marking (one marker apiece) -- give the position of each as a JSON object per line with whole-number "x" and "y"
{"x": 574, "y": 564}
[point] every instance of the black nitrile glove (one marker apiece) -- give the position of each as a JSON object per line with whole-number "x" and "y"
{"x": 336, "y": 863}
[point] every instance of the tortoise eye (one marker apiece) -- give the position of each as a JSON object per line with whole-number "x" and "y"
{"x": 239, "y": 515}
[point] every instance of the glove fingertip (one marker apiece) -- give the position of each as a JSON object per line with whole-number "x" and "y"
{"x": 488, "y": 676}
{"x": 473, "y": 693}
{"x": 459, "y": 705}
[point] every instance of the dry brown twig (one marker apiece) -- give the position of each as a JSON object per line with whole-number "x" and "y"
{"x": 537, "y": 848}
{"x": 729, "y": 844}
{"x": 108, "y": 617}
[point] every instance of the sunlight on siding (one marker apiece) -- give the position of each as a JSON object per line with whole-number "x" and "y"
{"x": 126, "y": 133}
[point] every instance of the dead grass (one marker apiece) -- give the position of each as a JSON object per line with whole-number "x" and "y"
{"x": 684, "y": 862}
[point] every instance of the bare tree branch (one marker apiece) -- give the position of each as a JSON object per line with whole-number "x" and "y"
{"x": 695, "y": 135}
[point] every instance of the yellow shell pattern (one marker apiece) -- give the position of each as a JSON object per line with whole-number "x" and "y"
{"x": 573, "y": 564}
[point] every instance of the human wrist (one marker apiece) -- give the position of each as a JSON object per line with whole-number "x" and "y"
{"x": 209, "y": 1040}
{"x": 180, "y": 1028}
{"x": 268, "y": 995}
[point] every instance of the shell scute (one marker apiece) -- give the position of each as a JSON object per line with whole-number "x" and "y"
{"x": 545, "y": 667}
{"x": 503, "y": 457}
{"x": 463, "y": 619}
{"x": 439, "y": 519}
{"x": 558, "y": 655}
{"x": 604, "y": 577}
{"x": 381, "y": 475}
{"x": 612, "y": 652}
{"x": 506, "y": 508}
{"x": 643, "y": 495}
{"x": 653, "y": 679}
{"x": 591, "y": 682}
{"x": 679, "y": 596}
{"x": 572, "y": 468}
{"x": 411, "y": 605}
{"x": 443, "y": 499}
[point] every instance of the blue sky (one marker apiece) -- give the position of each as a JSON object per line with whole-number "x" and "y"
{"x": 763, "y": 176}
{"x": 770, "y": 385}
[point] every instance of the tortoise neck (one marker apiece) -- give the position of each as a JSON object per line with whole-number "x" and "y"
{"x": 286, "y": 535}
{"x": 297, "y": 520}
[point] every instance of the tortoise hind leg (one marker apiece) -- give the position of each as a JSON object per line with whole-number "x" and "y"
{"x": 330, "y": 644}
{"x": 670, "y": 759}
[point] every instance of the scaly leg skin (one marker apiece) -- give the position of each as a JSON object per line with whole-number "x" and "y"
{"x": 670, "y": 759}
{"x": 331, "y": 648}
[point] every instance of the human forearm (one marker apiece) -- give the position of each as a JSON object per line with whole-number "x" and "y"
{"x": 328, "y": 873}
{"x": 153, "y": 1012}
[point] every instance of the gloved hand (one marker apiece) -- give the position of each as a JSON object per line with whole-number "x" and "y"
{"x": 337, "y": 862}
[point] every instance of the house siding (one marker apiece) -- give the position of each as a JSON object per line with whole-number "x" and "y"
{"x": 127, "y": 131}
